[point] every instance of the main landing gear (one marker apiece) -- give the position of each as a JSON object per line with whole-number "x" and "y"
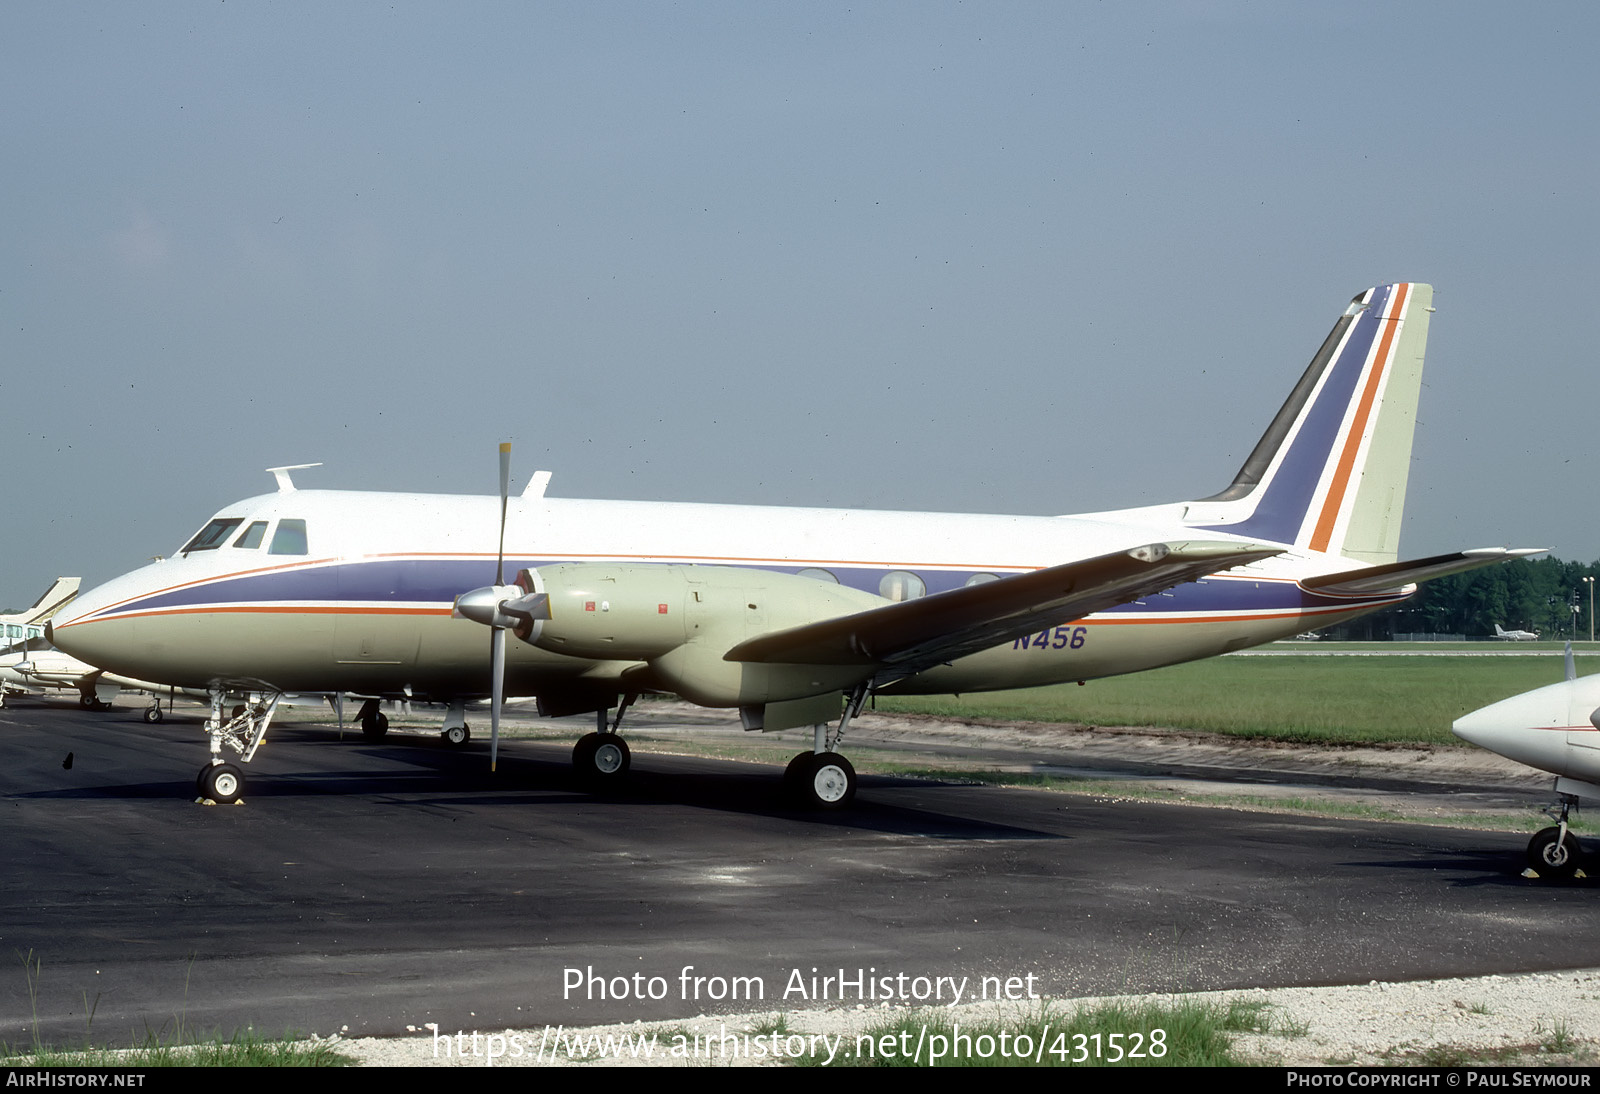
{"x": 455, "y": 733}
{"x": 152, "y": 713}
{"x": 821, "y": 778}
{"x": 374, "y": 722}
{"x": 818, "y": 779}
{"x": 1554, "y": 853}
{"x": 601, "y": 758}
{"x": 241, "y": 729}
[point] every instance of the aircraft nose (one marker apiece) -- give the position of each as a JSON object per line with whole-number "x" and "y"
{"x": 1482, "y": 728}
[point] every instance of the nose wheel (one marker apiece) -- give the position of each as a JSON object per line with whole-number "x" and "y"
{"x": 1554, "y": 854}
{"x": 222, "y": 783}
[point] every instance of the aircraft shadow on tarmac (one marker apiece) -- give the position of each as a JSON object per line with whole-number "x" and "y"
{"x": 1499, "y": 863}
{"x": 419, "y": 771}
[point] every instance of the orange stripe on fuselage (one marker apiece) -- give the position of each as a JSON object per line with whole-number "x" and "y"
{"x": 1352, "y": 442}
{"x": 267, "y": 609}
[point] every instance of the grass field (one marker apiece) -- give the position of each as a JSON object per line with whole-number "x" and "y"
{"x": 1317, "y": 699}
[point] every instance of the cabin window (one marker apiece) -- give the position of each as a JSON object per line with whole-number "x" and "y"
{"x": 981, "y": 579}
{"x": 289, "y": 539}
{"x": 901, "y": 585}
{"x": 816, "y": 573}
{"x": 211, "y": 536}
{"x": 253, "y": 535}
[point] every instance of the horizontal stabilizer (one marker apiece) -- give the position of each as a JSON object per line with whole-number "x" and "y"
{"x": 1397, "y": 575}
{"x": 914, "y": 635}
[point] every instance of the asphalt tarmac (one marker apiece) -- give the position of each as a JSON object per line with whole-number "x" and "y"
{"x": 373, "y": 889}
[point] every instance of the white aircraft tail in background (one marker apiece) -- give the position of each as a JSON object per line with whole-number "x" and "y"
{"x": 17, "y": 628}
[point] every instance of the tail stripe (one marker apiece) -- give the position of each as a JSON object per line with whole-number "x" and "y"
{"x": 1358, "y": 428}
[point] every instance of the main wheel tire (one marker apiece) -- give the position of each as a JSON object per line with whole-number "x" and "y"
{"x": 794, "y": 774}
{"x": 601, "y": 758}
{"x": 456, "y": 736}
{"x": 824, "y": 780}
{"x": 222, "y": 783}
{"x": 1553, "y": 857}
{"x": 87, "y": 700}
{"x": 153, "y": 715}
{"x": 376, "y": 727}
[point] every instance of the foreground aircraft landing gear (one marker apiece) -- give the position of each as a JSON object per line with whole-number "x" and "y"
{"x": 1554, "y": 853}
{"x": 153, "y": 715}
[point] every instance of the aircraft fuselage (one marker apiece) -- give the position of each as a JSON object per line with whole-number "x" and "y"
{"x": 359, "y": 600}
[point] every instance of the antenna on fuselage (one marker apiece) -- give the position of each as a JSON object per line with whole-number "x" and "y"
{"x": 285, "y": 483}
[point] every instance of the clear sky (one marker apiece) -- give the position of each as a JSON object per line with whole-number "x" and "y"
{"x": 1005, "y": 257}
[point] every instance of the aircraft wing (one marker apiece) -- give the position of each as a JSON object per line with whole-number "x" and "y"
{"x": 1397, "y": 575}
{"x": 915, "y": 635}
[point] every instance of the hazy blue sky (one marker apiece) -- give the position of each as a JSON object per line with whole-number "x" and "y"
{"x": 1011, "y": 257}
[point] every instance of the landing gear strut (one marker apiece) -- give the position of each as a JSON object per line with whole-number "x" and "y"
{"x": 242, "y": 730}
{"x": 1554, "y": 853}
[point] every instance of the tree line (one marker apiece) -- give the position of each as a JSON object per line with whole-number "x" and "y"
{"x": 1523, "y": 594}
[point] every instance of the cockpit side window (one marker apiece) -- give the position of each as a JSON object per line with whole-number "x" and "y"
{"x": 289, "y": 539}
{"x": 211, "y": 536}
{"x": 253, "y": 535}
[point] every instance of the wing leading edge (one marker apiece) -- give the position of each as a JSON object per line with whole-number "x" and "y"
{"x": 915, "y": 635}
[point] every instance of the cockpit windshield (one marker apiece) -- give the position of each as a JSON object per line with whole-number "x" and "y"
{"x": 211, "y": 536}
{"x": 290, "y": 538}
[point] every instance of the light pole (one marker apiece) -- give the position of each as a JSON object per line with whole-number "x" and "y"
{"x": 1589, "y": 581}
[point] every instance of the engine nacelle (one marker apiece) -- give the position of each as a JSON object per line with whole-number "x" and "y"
{"x": 680, "y": 620}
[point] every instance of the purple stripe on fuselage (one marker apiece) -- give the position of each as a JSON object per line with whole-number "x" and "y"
{"x": 1289, "y": 495}
{"x": 440, "y": 581}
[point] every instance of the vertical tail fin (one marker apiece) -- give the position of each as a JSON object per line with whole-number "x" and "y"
{"x": 1330, "y": 472}
{"x": 56, "y": 597}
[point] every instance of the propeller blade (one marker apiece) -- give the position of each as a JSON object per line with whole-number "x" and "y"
{"x": 505, "y": 490}
{"x": 497, "y": 658}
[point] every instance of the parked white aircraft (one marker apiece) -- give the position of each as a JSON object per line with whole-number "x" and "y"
{"x": 1555, "y": 729}
{"x": 34, "y": 671}
{"x": 1515, "y": 636}
{"x": 794, "y": 616}
{"x": 16, "y": 628}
